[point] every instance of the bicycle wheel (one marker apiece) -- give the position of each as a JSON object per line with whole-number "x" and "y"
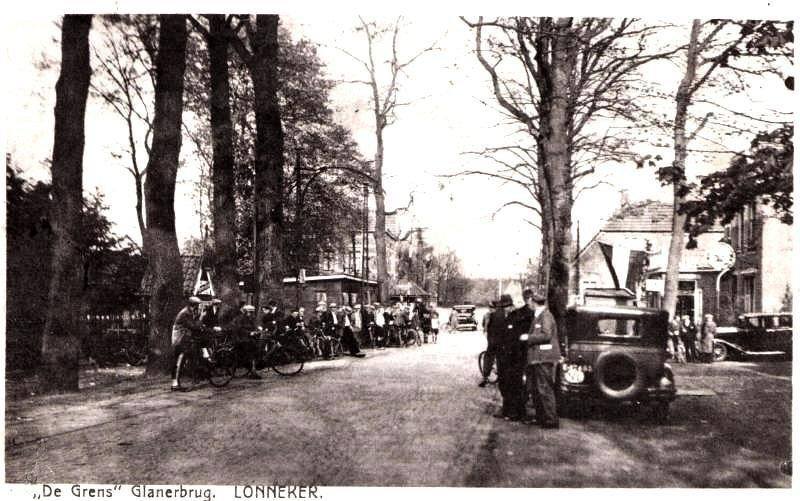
{"x": 492, "y": 373}
{"x": 286, "y": 362}
{"x": 221, "y": 367}
{"x": 186, "y": 371}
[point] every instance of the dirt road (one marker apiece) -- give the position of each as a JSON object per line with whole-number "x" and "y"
{"x": 401, "y": 417}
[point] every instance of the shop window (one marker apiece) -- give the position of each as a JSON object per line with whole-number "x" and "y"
{"x": 749, "y": 293}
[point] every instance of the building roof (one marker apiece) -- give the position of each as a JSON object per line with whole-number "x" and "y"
{"x": 191, "y": 267}
{"x": 648, "y": 216}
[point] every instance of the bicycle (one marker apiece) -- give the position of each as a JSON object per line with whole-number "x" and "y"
{"x": 272, "y": 354}
{"x": 492, "y": 373}
{"x": 201, "y": 361}
{"x": 412, "y": 337}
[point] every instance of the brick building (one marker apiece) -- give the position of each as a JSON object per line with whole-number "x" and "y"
{"x": 760, "y": 280}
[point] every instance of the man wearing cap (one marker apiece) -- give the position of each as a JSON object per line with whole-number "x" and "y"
{"x": 242, "y": 326}
{"x": 210, "y": 316}
{"x": 186, "y": 324}
{"x": 272, "y": 317}
{"x": 357, "y": 318}
{"x": 491, "y": 346}
{"x": 379, "y": 329}
{"x": 543, "y": 355}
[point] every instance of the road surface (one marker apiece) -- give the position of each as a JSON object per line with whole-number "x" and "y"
{"x": 401, "y": 417}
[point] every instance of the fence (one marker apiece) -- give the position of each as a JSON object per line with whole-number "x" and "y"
{"x": 108, "y": 338}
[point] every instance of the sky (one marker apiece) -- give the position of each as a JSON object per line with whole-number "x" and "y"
{"x": 451, "y": 112}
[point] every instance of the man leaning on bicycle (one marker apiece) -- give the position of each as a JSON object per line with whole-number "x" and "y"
{"x": 187, "y": 325}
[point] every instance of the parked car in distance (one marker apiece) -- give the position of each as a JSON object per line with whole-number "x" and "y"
{"x": 462, "y": 317}
{"x": 755, "y": 334}
{"x": 615, "y": 355}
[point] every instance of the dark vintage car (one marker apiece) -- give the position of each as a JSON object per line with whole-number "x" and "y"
{"x": 615, "y": 354}
{"x": 755, "y": 334}
{"x": 463, "y": 317}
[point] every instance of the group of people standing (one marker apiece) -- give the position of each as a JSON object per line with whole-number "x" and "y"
{"x": 524, "y": 342}
{"x": 687, "y": 343}
{"x": 352, "y": 326}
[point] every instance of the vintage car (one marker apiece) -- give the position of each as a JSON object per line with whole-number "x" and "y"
{"x": 615, "y": 354}
{"x": 463, "y": 317}
{"x": 755, "y": 334}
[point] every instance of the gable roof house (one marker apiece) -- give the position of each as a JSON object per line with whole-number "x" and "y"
{"x": 198, "y": 278}
{"x": 625, "y": 262}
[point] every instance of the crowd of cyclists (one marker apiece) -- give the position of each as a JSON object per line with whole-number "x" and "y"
{"x": 327, "y": 332}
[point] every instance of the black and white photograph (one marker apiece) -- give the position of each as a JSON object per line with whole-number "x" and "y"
{"x": 258, "y": 250}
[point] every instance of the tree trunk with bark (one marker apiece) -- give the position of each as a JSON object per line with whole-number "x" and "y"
{"x": 677, "y": 242}
{"x": 224, "y": 213}
{"x": 60, "y": 339}
{"x": 380, "y": 209}
{"x": 269, "y": 158}
{"x": 557, "y": 169}
{"x": 159, "y": 188}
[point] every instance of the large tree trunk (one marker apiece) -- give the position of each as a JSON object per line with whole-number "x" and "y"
{"x": 224, "y": 213}
{"x": 60, "y": 344}
{"x": 557, "y": 171}
{"x": 380, "y": 215}
{"x": 269, "y": 158}
{"x": 682, "y": 100}
{"x": 159, "y": 187}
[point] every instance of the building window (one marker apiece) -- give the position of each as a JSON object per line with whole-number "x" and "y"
{"x": 749, "y": 293}
{"x": 321, "y": 296}
{"x": 747, "y": 226}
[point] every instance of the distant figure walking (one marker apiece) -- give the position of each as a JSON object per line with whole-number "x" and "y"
{"x": 706, "y": 339}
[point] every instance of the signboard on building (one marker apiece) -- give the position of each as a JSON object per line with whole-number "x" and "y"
{"x": 654, "y": 285}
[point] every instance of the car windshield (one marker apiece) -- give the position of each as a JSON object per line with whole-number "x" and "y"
{"x": 618, "y": 327}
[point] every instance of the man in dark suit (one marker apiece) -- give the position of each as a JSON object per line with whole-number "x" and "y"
{"x": 512, "y": 367}
{"x": 272, "y": 317}
{"x": 543, "y": 355}
{"x": 496, "y": 328}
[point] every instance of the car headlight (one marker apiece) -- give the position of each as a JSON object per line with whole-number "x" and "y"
{"x": 573, "y": 374}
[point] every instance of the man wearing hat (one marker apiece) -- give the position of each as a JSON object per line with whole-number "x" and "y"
{"x": 518, "y": 322}
{"x": 186, "y": 324}
{"x": 491, "y": 345}
{"x": 542, "y": 355}
{"x": 507, "y": 349}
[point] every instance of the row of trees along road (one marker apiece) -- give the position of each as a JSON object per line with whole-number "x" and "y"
{"x": 578, "y": 92}
{"x": 254, "y": 107}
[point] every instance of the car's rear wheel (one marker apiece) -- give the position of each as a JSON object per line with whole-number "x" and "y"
{"x": 720, "y": 352}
